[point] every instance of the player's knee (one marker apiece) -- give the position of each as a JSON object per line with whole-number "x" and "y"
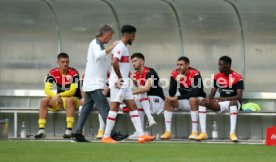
{"x": 69, "y": 101}
{"x": 45, "y": 101}
{"x": 203, "y": 102}
{"x": 168, "y": 107}
{"x": 193, "y": 100}
{"x": 234, "y": 103}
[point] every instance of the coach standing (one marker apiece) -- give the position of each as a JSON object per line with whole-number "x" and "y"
{"x": 95, "y": 78}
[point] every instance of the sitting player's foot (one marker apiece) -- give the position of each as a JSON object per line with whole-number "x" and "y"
{"x": 202, "y": 136}
{"x": 233, "y": 137}
{"x": 193, "y": 136}
{"x": 152, "y": 122}
{"x": 109, "y": 140}
{"x": 100, "y": 134}
{"x": 134, "y": 136}
{"x": 67, "y": 134}
{"x": 80, "y": 138}
{"x": 145, "y": 138}
{"x": 119, "y": 136}
{"x": 166, "y": 135}
{"x": 40, "y": 134}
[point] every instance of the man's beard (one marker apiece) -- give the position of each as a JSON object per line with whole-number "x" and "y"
{"x": 129, "y": 42}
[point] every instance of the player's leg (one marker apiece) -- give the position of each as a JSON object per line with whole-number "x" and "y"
{"x": 141, "y": 113}
{"x": 169, "y": 105}
{"x": 70, "y": 104}
{"x": 43, "y": 112}
{"x": 202, "y": 110}
{"x": 135, "y": 118}
{"x": 116, "y": 96}
{"x": 110, "y": 122}
{"x": 234, "y": 107}
{"x": 194, "y": 101}
{"x": 144, "y": 101}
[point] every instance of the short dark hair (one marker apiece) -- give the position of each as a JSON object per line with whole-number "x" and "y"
{"x": 226, "y": 60}
{"x": 62, "y": 55}
{"x": 138, "y": 55}
{"x": 184, "y": 58}
{"x": 128, "y": 29}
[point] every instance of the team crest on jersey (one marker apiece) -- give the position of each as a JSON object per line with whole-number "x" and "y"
{"x": 232, "y": 80}
{"x": 118, "y": 52}
{"x": 156, "y": 100}
{"x": 68, "y": 77}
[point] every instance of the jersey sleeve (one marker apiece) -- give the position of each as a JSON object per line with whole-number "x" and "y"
{"x": 48, "y": 85}
{"x": 70, "y": 92}
{"x": 50, "y": 78}
{"x": 117, "y": 51}
{"x": 196, "y": 90}
{"x": 173, "y": 87}
{"x": 151, "y": 74}
{"x": 240, "y": 84}
{"x": 97, "y": 50}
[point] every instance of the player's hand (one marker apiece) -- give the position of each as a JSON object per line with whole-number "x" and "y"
{"x": 169, "y": 99}
{"x": 55, "y": 99}
{"x": 115, "y": 43}
{"x": 82, "y": 101}
{"x": 219, "y": 99}
{"x": 119, "y": 83}
{"x": 208, "y": 100}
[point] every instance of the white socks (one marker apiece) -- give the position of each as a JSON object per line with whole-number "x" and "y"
{"x": 101, "y": 122}
{"x": 110, "y": 122}
{"x": 168, "y": 120}
{"x": 194, "y": 117}
{"x": 135, "y": 118}
{"x": 146, "y": 106}
{"x": 142, "y": 116}
{"x": 202, "y": 118}
{"x": 233, "y": 118}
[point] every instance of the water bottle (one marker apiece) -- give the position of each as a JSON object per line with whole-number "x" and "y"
{"x": 157, "y": 137}
{"x": 215, "y": 130}
{"x": 147, "y": 127}
{"x": 23, "y": 133}
{"x": 91, "y": 133}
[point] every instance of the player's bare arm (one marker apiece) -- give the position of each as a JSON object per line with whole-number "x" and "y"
{"x": 143, "y": 89}
{"x": 116, "y": 67}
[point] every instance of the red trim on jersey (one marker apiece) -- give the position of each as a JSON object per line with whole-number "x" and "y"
{"x": 227, "y": 81}
{"x": 144, "y": 99}
{"x": 140, "y": 109}
{"x": 233, "y": 113}
{"x": 134, "y": 116}
{"x": 124, "y": 59}
{"x": 63, "y": 79}
{"x": 141, "y": 78}
{"x": 110, "y": 118}
{"x": 185, "y": 80}
{"x": 203, "y": 112}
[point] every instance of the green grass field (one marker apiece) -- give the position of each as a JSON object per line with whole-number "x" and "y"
{"x": 45, "y": 151}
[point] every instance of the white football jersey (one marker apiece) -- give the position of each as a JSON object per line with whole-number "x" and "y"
{"x": 120, "y": 51}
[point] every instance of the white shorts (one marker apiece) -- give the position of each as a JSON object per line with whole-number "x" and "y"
{"x": 185, "y": 104}
{"x": 156, "y": 104}
{"x": 119, "y": 95}
{"x": 225, "y": 106}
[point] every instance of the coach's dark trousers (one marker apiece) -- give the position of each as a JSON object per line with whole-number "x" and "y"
{"x": 91, "y": 98}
